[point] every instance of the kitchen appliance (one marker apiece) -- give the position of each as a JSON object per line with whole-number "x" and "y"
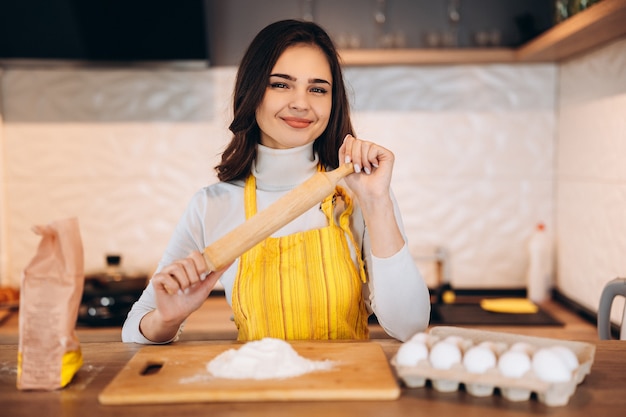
{"x": 108, "y": 295}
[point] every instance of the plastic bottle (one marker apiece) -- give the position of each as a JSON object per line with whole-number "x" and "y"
{"x": 539, "y": 276}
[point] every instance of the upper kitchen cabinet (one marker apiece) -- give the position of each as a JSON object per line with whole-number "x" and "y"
{"x": 426, "y": 32}
{"x": 370, "y": 32}
{"x": 601, "y": 23}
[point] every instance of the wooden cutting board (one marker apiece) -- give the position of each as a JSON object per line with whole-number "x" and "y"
{"x": 178, "y": 374}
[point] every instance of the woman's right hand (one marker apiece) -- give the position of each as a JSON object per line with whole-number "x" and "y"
{"x": 180, "y": 289}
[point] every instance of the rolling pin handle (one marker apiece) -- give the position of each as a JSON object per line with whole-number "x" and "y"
{"x": 209, "y": 263}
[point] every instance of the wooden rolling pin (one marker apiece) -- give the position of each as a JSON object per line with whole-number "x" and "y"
{"x": 260, "y": 226}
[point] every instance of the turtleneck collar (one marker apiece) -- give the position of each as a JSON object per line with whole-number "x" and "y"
{"x": 283, "y": 169}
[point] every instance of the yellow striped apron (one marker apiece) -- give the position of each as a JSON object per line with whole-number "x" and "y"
{"x": 301, "y": 286}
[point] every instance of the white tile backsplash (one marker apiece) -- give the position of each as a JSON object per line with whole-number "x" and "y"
{"x": 115, "y": 95}
{"x": 591, "y": 175}
{"x": 488, "y": 88}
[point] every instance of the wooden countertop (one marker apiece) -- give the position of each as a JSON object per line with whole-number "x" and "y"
{"x": 601, "y": 394}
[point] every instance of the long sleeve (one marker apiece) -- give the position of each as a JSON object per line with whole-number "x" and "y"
{"x": 398, "y": 294}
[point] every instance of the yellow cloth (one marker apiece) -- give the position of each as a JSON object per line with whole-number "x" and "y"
{"x": 301, "y": 286}
{"x": 509, "y": 305}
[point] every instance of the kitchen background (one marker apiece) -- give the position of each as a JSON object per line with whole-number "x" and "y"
{"x": 484, "y": 152}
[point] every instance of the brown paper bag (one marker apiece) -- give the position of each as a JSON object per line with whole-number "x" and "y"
{"x": 52, "y": 285}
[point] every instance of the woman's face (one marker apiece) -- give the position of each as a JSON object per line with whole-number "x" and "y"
{"x": 298, "y": 99}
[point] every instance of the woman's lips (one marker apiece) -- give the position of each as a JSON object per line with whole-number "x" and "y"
{"x": 297, "y": 122}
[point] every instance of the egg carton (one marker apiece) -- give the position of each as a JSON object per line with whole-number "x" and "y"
{"x": 513, "y": 389}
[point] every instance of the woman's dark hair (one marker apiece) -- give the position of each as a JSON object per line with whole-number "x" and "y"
{"x": 251, "y": 83}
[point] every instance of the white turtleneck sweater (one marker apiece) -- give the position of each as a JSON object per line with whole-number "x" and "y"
{"x": 395, "y": 290}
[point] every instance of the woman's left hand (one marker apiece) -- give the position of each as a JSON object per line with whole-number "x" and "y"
{"x": 372, "y": 163}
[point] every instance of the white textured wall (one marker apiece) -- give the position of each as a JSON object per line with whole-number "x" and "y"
{"x": 474, "y": 148}
{"x": 591, "y": 174}
{"x": 125, "y": 149}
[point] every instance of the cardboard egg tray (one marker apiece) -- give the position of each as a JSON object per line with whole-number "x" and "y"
{"x": 513, "y": 389}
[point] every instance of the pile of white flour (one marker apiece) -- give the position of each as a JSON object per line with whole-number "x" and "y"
{"x": 263, "y": 359}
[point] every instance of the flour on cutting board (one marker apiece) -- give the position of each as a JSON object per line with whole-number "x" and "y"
{"x": 264, "y": 359}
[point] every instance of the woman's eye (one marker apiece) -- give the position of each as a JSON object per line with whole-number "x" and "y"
{"x": 319, "y": 90}
{"x": 278, "y": 85}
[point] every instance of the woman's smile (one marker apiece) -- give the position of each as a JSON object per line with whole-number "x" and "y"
{"x": 296, "y": 122}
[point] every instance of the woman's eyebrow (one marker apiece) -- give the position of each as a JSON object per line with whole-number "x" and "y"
{"x": 311, "y": 80}
{"x": 318, "y": 81}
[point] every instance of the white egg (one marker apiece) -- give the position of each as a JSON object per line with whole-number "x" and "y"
{"x": 479, "y": 359}
{"x": 496, "y": 347}
{"x": 444, "y": 354}
{"x": 549, "y": 366}
{"x": 420, "y": 337}
{"x": 461, "y": 342}
{"x": 411, "y": 352}
{"x": 457, "y": 340}
{"x": 523, "y": 347}
{"x": 568, "y": 356}
{"x": 488, "y": 344}
{"x": 514, "y": 364}
{"x": 425, "y": 338}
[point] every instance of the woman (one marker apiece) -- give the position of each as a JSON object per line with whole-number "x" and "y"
{"x": 323, "y": 274}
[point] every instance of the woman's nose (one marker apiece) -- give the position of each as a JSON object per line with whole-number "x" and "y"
{"x": 299, "y": 101}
